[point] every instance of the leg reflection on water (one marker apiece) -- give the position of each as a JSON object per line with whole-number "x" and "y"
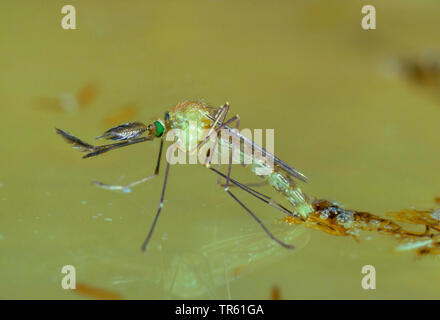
{"x": 205, "y": 270}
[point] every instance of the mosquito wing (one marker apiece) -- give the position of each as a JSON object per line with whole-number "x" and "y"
{"x": 277, "y": 162}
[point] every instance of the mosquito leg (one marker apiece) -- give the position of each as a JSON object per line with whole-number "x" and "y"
{"x": 218, "y": 119}
{"x": 226, "y": 185}
{"x": 217, "y": 130}
{"x": 162, "y": 196}
{"x": 285, "y": 245}
{"x": 235, "y": 118}
{"x": 127, "y": 188}
{"x": 263, "y": 198}
{"x": 252, "y": 184}
{"x": 211, "y": 153}
{"x": 260, "y": 196}
{"x": 237, "y": 123}
{"x": 219, "y": 182}
{"x": 223, "y": 124}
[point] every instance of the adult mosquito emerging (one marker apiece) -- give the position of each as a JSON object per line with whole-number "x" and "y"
{"x": 281, "y": 176}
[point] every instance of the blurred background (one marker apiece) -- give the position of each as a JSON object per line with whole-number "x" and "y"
{"x": 357, "y": 111}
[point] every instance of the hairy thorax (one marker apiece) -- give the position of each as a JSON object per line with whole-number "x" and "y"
{"x": 191, "y": 123}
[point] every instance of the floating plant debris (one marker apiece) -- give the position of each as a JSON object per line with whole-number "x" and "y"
{"x": 69, "y": 102}
{"x": 275, "y": 293}
{"x": 92, "y": 292}
{"x": 331, "y": 218}
{"x": 124, "y": 114}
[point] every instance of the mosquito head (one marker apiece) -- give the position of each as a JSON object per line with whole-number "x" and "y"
{"x": 157, "y": 128}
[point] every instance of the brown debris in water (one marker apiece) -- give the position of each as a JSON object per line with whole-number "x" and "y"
{"x": 87, "y": 94}
{"x": 71, "y": 101}
{"x": 432, "y": 249}
{"x": 331, "y": 218}
{"x": 125, "y": 114}
{"x": 430, "y": 219}
{"x": 423, "y": 72}
{"x": 275, "y": 293}
{"x": 95, "y": 293}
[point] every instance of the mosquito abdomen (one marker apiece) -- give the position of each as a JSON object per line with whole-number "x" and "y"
{"x": 287, "y": 188}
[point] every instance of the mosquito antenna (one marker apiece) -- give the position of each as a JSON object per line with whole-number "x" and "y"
{"x": 109, "y": 147}
{"x": 97, "y": 150}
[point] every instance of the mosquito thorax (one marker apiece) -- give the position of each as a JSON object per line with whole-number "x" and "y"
{"x": 191, "y": 120}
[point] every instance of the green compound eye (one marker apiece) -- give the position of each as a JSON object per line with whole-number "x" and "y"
{"x": 159, "y": 129}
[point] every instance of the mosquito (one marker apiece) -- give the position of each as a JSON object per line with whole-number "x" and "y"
{"x": 281, "y": 176}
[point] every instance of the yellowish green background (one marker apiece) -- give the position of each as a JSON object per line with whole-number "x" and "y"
{"x": 342, "y": 112}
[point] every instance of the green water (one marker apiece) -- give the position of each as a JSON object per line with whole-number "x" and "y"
{"x": 363, "y": 135}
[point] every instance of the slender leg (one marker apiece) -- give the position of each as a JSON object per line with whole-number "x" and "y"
{"x": 208, "y": 160}
{"x": 237, "y": 123}
{"x": 127, "y": 188}
{"x": 223, "y": 124}
{"x": 221, "y": 117}
{"x": 219, "y": 182}
{"x": 228, "y": 179}
{"x": 162, "y": 196}
{"x": 218, "y": 119}
{"x": 217, "y": 130}
{"x": 235, "y": 118}
{"x": 260, "y": 196}
{"x": 263, "y": 198}
{"x": 285, "y": 245}
{"x": 251, "y": 184}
